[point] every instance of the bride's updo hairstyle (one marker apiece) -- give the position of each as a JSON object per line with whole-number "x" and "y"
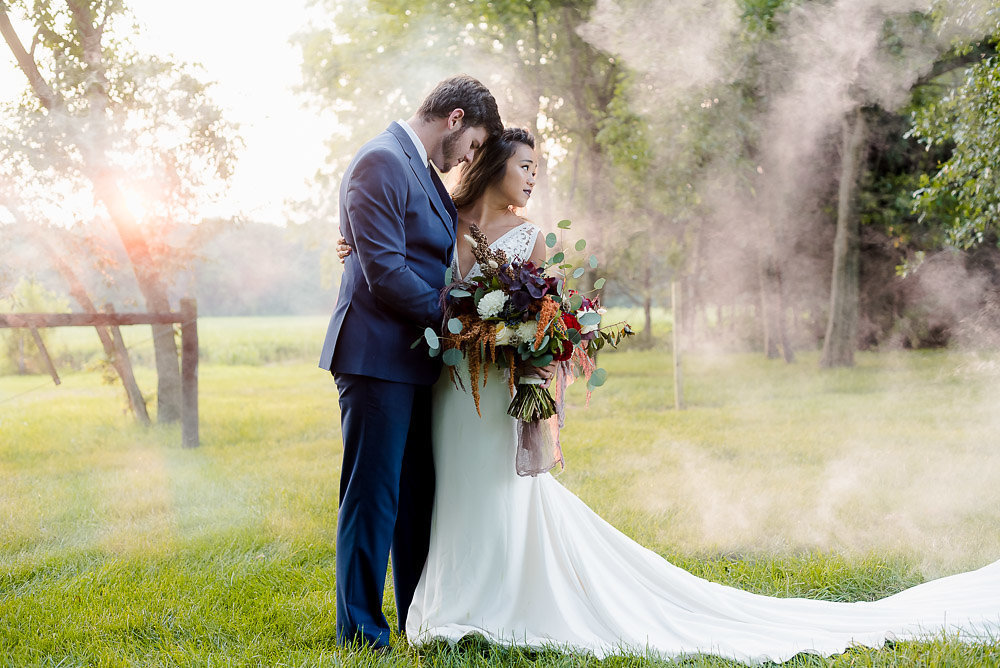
{"x": 488, "y": 165}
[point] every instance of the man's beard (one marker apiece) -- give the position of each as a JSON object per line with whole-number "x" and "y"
{"x": 448, "y": 150}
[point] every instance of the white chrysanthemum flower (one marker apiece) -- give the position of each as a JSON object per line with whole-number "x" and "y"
{"x": 587, "y": 329}
{"x": 526, "y": 331}
{"x": 491, "y": 304}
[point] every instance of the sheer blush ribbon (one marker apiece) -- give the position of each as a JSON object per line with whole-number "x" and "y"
{"x": 538, "y": 449}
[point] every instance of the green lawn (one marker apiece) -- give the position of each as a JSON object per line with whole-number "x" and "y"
{"x": 118, "y": 547}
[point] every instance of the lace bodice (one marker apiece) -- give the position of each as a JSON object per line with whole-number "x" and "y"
{"x": 516, "y": 242}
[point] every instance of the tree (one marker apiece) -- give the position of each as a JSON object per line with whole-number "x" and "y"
{"x": 898, "y": 36}
{"x": 964, "y": 193}
{"x": 543, "y": 73}
{"x": 140, "y": 133}
{"x": 652, "y": 212}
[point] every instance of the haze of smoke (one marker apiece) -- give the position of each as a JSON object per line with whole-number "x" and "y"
{"x": 830, "y": 60}
{"x": 683, "y": 43}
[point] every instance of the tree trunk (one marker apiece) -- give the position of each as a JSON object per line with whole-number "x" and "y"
{"x": 773, "y": 313}
{"x": 842, "y": 326}
{"x": 676, "y": 304}
{"x": 647, "y": 307}
{"x": 94, "y": 148}
{"x": 768, "y": 323}
{"x": 168, "y": 372}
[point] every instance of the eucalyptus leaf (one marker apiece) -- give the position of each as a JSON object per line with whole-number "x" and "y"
{"x": 581, "y": 244}
{"x": 599, "y": 283}
{"x": 573, "y": 335}
{"x": 543, "y": 360}
{"x": 454, "y": 325}
{"x": 432, "y": 338}
{"x": 575, "y": 302}
{"x": 590, "y": 318}
{"x": 563, "y": 224}
{"x": 578, "y": 272}
{"x": 448, "y": 276}
{"x": 458, "y": 292}
{"x": 452, "y": 356}
{"x": 557, "y": 258}
{"x": 550, "y": 240}
{"x": 597, "y": 378}
{"x": 593, "y": 262}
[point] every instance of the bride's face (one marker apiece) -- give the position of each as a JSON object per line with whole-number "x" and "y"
{"x": 518, "y": 177}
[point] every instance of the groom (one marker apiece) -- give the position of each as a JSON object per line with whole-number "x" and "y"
{"x": 399, "y": 219}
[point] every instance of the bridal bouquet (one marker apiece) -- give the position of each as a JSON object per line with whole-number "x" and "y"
{"x": 516, "y": 317}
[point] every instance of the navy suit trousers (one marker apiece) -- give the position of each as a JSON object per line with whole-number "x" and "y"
{"x": 386, "y": 500}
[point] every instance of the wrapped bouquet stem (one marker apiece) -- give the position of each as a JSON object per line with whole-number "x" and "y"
{"x": 538, "y": 449}
{"x": 532, "y": 400}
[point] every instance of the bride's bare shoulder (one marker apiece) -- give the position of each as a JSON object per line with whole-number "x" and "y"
{"x": 516, "y": 220}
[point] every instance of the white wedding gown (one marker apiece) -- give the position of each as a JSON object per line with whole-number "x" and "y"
{"x": 522, "y": 561}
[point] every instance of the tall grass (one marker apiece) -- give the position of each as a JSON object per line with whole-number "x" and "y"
{"x": 118, "y": 547}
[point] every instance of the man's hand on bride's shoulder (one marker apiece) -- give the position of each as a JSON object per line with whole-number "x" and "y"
{"x": 343, "y": 249}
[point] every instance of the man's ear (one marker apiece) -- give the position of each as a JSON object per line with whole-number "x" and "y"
{"x": 455, "y": 119}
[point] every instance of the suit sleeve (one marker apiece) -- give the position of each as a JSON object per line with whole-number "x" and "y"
{"x": 376, "y": 205}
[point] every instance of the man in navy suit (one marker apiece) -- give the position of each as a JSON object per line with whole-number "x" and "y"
{"x": 399, "y": 219}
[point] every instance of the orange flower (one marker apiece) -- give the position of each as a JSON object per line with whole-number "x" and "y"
{"x": 550, "y": 309}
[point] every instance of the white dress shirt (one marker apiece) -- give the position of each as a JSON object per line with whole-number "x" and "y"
{"x": 416, "y": 141}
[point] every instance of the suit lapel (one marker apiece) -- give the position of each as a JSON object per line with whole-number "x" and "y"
{"x": 435, "y": 189}
{"x": 452, "y": 213}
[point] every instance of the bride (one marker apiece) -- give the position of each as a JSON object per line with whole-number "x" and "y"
{"x": 522, "y": 561}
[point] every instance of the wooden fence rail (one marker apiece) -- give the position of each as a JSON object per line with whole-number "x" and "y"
{"x": 188, "y": 319}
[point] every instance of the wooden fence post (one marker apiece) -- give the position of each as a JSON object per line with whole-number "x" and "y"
{"x": 123, "y": 365}
{"x": 189, "y": 373}
{"x": 49, "y": 366}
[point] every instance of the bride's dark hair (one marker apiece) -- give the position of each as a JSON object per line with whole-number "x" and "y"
{"x": 488, "y": 165}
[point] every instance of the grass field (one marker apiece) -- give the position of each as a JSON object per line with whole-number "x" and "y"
{"x": 117, "y": 547}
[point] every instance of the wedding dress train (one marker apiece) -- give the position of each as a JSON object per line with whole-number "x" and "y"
{"x": 523, "y": 561}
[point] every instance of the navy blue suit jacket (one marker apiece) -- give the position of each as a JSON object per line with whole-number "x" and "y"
{"x": 401, "y": 222}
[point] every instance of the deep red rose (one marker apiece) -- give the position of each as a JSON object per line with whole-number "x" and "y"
{"x": 565, "y": 352}
{"x": 570, "y": 321}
